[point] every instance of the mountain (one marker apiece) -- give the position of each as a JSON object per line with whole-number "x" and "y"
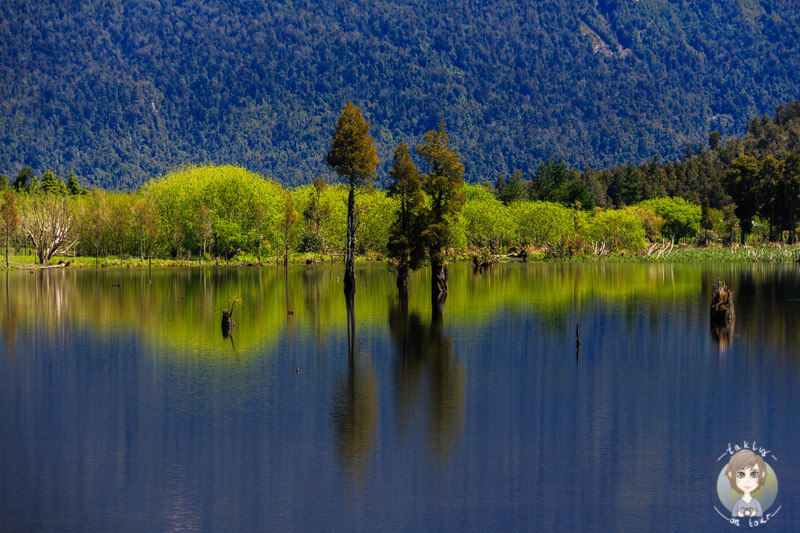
{"x": 120, "y": 92}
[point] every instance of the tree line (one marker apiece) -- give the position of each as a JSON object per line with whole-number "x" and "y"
{"x": 208, "y": 213}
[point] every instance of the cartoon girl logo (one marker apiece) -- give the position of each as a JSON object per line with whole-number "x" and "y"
{"x": 747, "y": 486}
{"x": 746, "y": 472}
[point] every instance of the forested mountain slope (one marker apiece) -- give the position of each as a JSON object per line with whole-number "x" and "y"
{"x": 122, "y": 91}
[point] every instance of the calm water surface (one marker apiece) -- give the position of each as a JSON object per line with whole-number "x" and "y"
{"x": 123, "y": 407}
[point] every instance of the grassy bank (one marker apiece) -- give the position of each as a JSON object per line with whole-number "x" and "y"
{"x": 749, "y": 254}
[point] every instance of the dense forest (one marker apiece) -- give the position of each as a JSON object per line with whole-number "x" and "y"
{"x": 121, "y": 92}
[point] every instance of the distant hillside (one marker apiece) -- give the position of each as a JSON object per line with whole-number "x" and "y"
{"x": 122, "y": 91}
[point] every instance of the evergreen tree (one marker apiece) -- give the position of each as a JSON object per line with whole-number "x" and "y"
{"x": 741, "y": 181}
{"x": 513, "y": 191}
{"x": 73, "y": 187}
{"x": 405, "y": 235}
{"x": 632, "y": 188}
{"x": 9, "y": 215}
{"x": 550, "y": 180}
{"x": 50, "y": 184}
{"x": 289, "y": 219}
{"x": 23, "y": 179}
{"x": 443, "y": 183}
{"x": 500, "y": 184}
{"x": 353, "y": 156}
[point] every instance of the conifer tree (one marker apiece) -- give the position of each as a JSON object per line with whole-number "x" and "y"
{"x": 352, "y": 156}
{"x": 444, "y": 184}
{"x": 405, "y": 236}
{"x": 741, "y": 181}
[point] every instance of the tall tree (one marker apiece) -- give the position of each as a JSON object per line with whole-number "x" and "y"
{"x": 444, "y": 184}
{"x": 289, "y": 218}
{"x": 405, "y": 235}
{"x": 73, "y": 187}
{"x": 9, "y": 216}
{"x": 513, "y": 191}
{"x": 315, "y": 214}
{"x": 353, "y": 156}
{"x": 741, "y": 181}
{"x": 780, "y": 188}
{"x": 23, "y": 179}
{"x": 49, "y": 222}
{"x": 51, "y": 184}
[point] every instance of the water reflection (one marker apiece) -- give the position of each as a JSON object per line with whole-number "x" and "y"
{"x": 427, "y": 376}
{"x": 356, "y": 406}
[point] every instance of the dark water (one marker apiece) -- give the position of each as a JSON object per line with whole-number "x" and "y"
{"x": 123, "y": 408}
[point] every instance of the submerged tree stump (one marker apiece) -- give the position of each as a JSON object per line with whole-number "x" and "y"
{"x": 227, "y": 323}
{"x": 722, "y": 310}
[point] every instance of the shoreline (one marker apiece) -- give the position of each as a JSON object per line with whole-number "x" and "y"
{"x": 738, "y": 254}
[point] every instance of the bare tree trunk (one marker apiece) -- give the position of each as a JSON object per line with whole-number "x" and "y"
{"x": 438, "y": 281}
{"x": 402, "y": 280}
{"x": 349, "y": 267}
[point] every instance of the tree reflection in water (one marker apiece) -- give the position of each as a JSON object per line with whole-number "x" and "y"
{"x": 355, "y": 408}
{"x": 425, "y": 359}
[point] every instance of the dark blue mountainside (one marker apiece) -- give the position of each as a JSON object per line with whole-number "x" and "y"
{"x": 120, "y": 92}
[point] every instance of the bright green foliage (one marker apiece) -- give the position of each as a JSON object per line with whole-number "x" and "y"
{"x": 542, "y": 224}
{"x": 681, "y": 218}
{"x": 375, "y": 214}
{"x": 741, "y": 181}
{"x": 444, "y": 185}
{"x": 405, "y": 234}
{"x": 488, "y": 223}
{"x": 229, "y": 197}
{"x": 619, "y": 230}
{"x": 287, "y": 225}
{"x": 650, "y": 220}
{"x": 9, "y": 217}
{"x": 315, "y": 213}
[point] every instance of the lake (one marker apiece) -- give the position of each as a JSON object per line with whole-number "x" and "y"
{"x": 123, "y": 407}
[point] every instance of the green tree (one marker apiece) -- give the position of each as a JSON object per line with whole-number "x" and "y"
{"x": 619, "y": 229}
{"x": 287, "y": 224}
{"x": 513, "y": 191}
{"x": 73, "y": 187}
{"x": 23, "y": 179}
{"x": 443, "y": 183}
{"x": 681, "y": 218}
{"x": 632, "y": 187}
{"x": 315, "y": 214}
{"x": 49, "y": 222}
{"x": 50, "y": 184}
{"x": 706, "y": 222}
{"x": 8, "y": 211}
{"x": 405, "y": 235}
{"x": 741, "y": 181}
{"x": 352, "y": 156}
{"x": 549, "y": 180}
{"x": 500, "y": 184}
{"x": 780, "y": 193}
